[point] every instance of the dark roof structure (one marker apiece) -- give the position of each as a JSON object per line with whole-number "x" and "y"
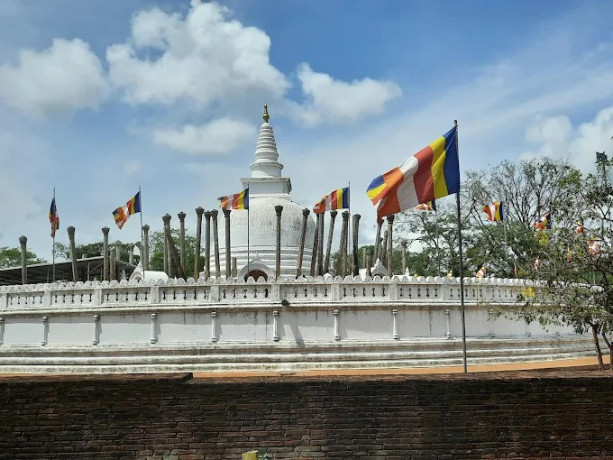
{"x": 88, "y": 269}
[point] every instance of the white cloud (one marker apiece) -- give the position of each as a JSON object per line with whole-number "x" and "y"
{"x": 555, "y": 136}
{"x": 203, "y": 57}
{"x": 131, "y": 167}
{"x": 61, "y": 79}
{"x": 330, "y": 100}
{"x": 217, "y": 137}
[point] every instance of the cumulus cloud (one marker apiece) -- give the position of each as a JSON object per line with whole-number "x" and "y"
{"x": 202, "y": 57}
{"x": 215, "y": 138}
{"x": 555, "y": 136}
{"x": 61, "y": 79}
{"x": 339, "y": 101}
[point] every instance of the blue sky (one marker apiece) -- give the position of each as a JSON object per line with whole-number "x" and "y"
{"x": 99, "y": 97}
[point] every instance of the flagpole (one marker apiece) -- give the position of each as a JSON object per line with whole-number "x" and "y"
{"x": 248, "y": 242}
{"x": 53, "y": 243}
{"x": 438, "y": 251}
{"x": 461, "y": 261}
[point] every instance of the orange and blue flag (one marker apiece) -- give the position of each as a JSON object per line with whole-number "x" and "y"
{"x": 494, "y": 212}
{"x": 433, "y": 172}
{"x": 122, "y": 213}
{"x": 337, "y": 199}
{"x": 54, "y": 219}
{"x": 237, "y": 201}
{"x": 544, "y": 223}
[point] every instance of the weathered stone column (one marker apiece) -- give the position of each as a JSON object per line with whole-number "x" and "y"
{"x": 216, "y": 243}
{"x": 330, "y": 236}
{"x": 174, "y": 254}
{"x": 320, "y": 245}
{"x": 199, "y": 212}
{"x": 226, "y": 213}
{"x": 305, "y": 215}
{"x": 181, "y": 217}
{"x": 166, "y": 261}
{"x": 390, "y": 254}
{"x": 112, "y": 264}
{"x": 377, "y": 256}
{"x": 131, "y": 255}
{"x": 344, "y": 238}
{"x": 145, "y": 253}
{"x": 404, "y": 245}
{"x": 383, "y": 250}
{"x": 234, "y": 268}
{"x": 368, "y": 263}
{"x": 207, "y": 245}
{"x": 105, "y": 253}
{"x": 278, "y": 210}
{"x": 24, "y": 259}
{"x": 73, "y": 253}
{"x": 356, "y": 231}
{"x": 315, "y": 242}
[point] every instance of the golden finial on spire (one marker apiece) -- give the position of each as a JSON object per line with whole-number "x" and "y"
{"x": 266, "y": 117}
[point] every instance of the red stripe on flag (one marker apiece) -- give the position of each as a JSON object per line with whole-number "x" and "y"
{"x": 424, "y": 182}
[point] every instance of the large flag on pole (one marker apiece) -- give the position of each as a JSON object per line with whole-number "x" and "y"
{"x": 337, "y": 199}
{"x": 122, "y": 213}
{"x": 237, "y": 201}
{"x": 494, "y": 211}
{"x": 54, "y": 219}
{"x": 433, "y": 172}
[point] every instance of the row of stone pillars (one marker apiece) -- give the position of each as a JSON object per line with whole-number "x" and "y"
{"x": 172, "y": 256}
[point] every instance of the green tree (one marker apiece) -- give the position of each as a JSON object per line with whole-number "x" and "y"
{"x": 11, "y": 257}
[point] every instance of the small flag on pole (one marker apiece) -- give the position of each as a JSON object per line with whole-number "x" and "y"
{"x": 481, "y": 272}
{"x": 429, "y": 206}
{"x": 494, "y": 212}
{"x": 237, "y": 201}
{"x": 123, "y": 213}
{"x": 544, "y": 223}
{"x": 337, "y": 199}
{"x": 54, "y": 219}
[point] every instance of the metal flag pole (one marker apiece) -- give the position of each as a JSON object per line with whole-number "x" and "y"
{"x": 461, "y": 261}
{"x": 248, "y": 242}
{"x": 53, "y": 243}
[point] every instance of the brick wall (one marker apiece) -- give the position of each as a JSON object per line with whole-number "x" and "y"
{"x": 515, "y": 415}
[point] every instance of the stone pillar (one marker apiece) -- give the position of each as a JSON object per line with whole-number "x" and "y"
{"x": 166, "y": 264}
{"x": 278, "y": 210}
{"x": 216, "y": 243}
{"x": 356, "y": 231}
{"x": 24, "y": 259}
{"x": 234, "y": 268}
{"x": 377, "y": 256}
{"x": 390, "y": 254}
{"x": 197, "y": 251}
{"x": 145, "y": 252}
{"x": 330, "y": 236}
{"x": 174, "y": 254}
{"x": 112, "y": 264}
{"x": 404, "y": 245}
{"x": 320, "y": 245}
{"x": 368, "y": 263}
{"x": 105, "y": 253}
{"x": 73, "y": 253}
{"x": 131, "y": 255}
{"x": 181, "y": 217}
{"x": 315, "y": 242}
{"x": 226, "y": 213}
{"x": 207, "y": 245}
{"x": 383, "y": 249}
{"x": 344, "y": 237}
{"x": 305, "y": 215}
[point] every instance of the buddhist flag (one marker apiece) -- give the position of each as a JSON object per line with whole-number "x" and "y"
{"x": 236, "y": 201}
{"x": 122, "y": 213}
{"x": 429, "y": 206}
{"x": 337, "y": 199}
{"x": 544, "y": 223}
{"x": 54, "y": 219}
{"x": 580, "y": 228}
{"x": 481, "y": 272}
{"x": 433, "y": 172}
{"x": 494, "y": 211}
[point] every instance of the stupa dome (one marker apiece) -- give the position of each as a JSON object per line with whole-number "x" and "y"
{"x": 258, "y": 225}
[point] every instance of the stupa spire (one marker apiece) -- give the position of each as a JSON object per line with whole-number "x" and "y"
{"x": 266, "y": 155}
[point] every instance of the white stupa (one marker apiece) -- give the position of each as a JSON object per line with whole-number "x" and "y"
{"x": 267, "y": 189}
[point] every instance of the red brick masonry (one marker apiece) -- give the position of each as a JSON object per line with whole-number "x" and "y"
{"x": 530, "y": 414}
